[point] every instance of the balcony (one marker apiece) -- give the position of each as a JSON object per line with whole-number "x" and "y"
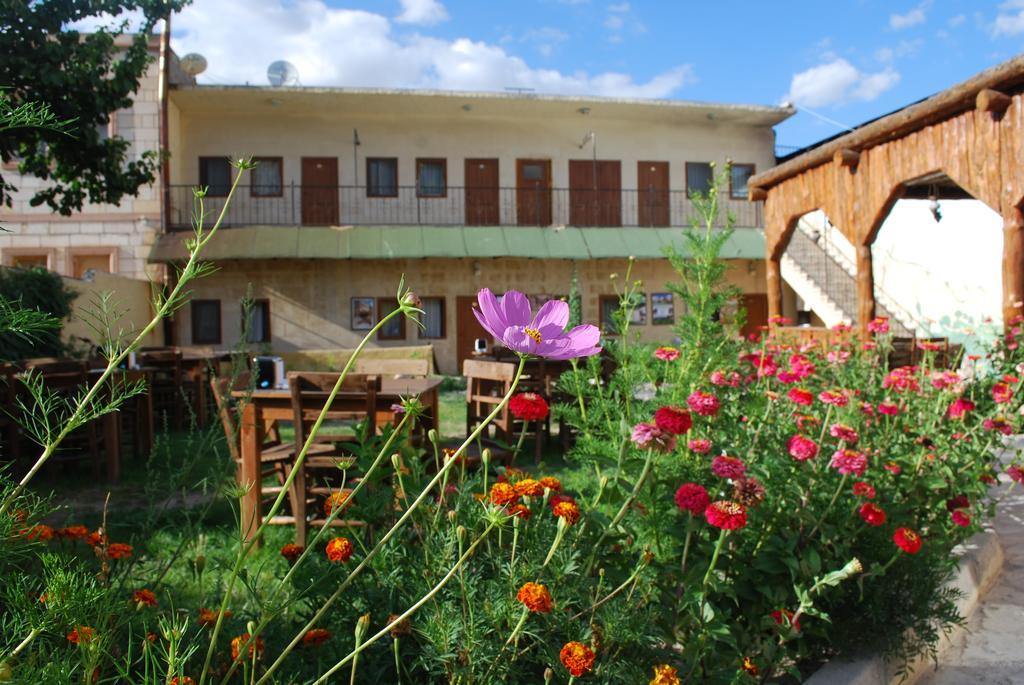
{"x": 304, "y": 205}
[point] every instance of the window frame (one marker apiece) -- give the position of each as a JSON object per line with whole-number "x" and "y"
{"x": 444, "y": 320}
{"x": 603, "y": 323}
{"x": 280, "y": 185}
{"x": 420, "y": 161}
{"x": 111, "y": 253}
{"x": 260, "y": 302}
{"x": 381, "y": 314}
{"x": 686, "y": 174}
{"x": 206, "y": 159}
{"x": 733, "y": 167}
{"x": 9, "y": 254}
{"x": 369, "y": 163}
{"x": 194, "y": 320}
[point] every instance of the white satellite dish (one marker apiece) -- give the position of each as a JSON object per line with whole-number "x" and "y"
{"x": 193, "y": 64}
{"x": 282, "y": 73}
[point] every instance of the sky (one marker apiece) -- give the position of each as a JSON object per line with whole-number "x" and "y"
{"x": 840, "y": 62}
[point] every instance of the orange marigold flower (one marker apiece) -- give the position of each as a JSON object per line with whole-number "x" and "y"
{"x": 73, "y": 532}
{"x": 145, "y": 597}
{"x": 750, "y": 667}
{"x": 566, "y": 509}
{"x": 665, "y": 675}
{"x": 535, "y": 597}
{"x": 151, "y": 637}
{"x": 43, "y": 598}
{"x": 513, "y": 475}
{"x": 119, "y": 550}
{"x": 94, "y": 538}
{"x": 529, "y": 488}
{"x": 208, "y": 617}
{"x": 81, "y": 635}
{"x": 502, "y": 494}
{"x": 521, "y": 511}
{"x": 339, "y": 550}
{"x": 183, "y": 680}
{"x": 577, "y": 658}
{"x": 551, "y": 483}
{"x": 316, "y": 637}
{"x": 337, "y": 500}
{"x": 291, "y": 551}
{"x": 255, "y": 647}
{"x": 40, "y": 532}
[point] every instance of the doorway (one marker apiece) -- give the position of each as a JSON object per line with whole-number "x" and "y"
{"x": 320, "y": 191}
{"x": 482, "y": 199}
{"x": 533, "y": 192}
{"x": 652, "y": 194}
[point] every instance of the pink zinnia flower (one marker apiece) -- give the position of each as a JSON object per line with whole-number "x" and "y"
{"x": 675, "y": 420}
{"x": 961, "y": 518}
{"x": 838, "y": 430}
{"x": 666, "y": 354}
{"x": 944, "y": 379}
{"x": 726, "y": 515}
{"x": 703, "y": 403}
{"x": 872, "y": 514}
{"x": 888, "y": 409}
{"x": 801, "y": 366}
{"x": 543, "y": 335}
{"x": 1002, "y": 393}
{"x": 647, "y": 435}
{"x": 1015, "y": 473}
{"x": 902, "y": 379}
{"x": 699, "y": 445}
{"x": 692, "y": 498}
{"x": 834, "y": 397}
{"x": 879, "y": 325}
{"x": 837, "y": 356}
{"x": 959, "y": 408}
{"x": 998, "y": 424}
{"x": 849, "y": 462}
{"x": 862, "y": 489}
{"x": 728, "y": 467}
{"x": 722, "y": 379}
{"x": 801, "y": 448}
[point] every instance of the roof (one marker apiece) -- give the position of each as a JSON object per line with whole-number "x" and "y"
{"x": 414, "y": 242}
{"x": 200, "y": 98}
{"x": 1008, "y": 77}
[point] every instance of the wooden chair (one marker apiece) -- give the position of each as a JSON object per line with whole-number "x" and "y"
{"x": 486, "y": 383}
{"x": 902, "y": 353}
{"x": 941, "y": 356}
{"x": 85, "y": 443}
{"x": 173, "y": 390}
{"x": 394, "y": 368}
{"x": 335, "y": 451}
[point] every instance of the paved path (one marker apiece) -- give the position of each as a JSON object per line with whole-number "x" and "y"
{"x": 992, "y": 652}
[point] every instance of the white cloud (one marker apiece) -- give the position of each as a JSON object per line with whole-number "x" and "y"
{"x": 953, "y": 22}
{"x": 1010, "y": 20}
{"x": 620, "y": 7}
{"x": 346, "y": 47}
{"x": 902, "y": 21}
{"x": 545, "y": 39}
{"x": 613, "y": 23}
{"x": 837, "y": 82}
{"x": 425, "y": 12}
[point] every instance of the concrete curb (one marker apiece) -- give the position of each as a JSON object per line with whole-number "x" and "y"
{"x": 980, "y": 566}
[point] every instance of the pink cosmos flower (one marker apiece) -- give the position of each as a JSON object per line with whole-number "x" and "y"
{"x": 699, "y": 445}
{"x": 849, "y": 462}
{"x": 959, "y": 408}
{"x": 647, "y": 435}
{"x": 838, "y": 430}
{"x": 728, "y": 467}
{"x": 543, "y": 335}
{"x": 801, "y": 448}
{"x": 703, "y": 403}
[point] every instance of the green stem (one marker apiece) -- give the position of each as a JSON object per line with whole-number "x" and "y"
{"x": 832, "y": 502}
{"x": 623, "y": 509}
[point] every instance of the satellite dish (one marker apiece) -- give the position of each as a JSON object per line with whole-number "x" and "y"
{"x": 193, "y": 64}
{"x": 282, "y": 73}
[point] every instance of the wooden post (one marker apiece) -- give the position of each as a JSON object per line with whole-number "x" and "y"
{"x": 1013, "y": 265}
{"x": 251, "y": 516}
{"x": 865, "y": 288}
{"x": 773, "y": 271}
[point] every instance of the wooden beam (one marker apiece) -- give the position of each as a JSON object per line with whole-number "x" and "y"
{"x": 989, "y": 100}
{"x": 846, "y": 157}
{"x": 865, "y": 289}
{"x": 957, "y": 99}
{"x": 1013, "y": 267}
{"x": 756, "y": 194}
{"x": 773, "y": 273}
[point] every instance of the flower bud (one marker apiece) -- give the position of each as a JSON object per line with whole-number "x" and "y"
{"x": 413, "y": 299}
{"x": 396, "y": 461}
{"x": 432, "y": 436}
{"x": 461, "y": 533}
{"x": 452, "y": 516}
{"x": 548, "y": 675}
{"x": 485, "y": 456}
{"x": 200, "y": 562}
{"x": 362, "y": 626}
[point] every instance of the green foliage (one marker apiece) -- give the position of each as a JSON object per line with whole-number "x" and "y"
{"x": 33, "y": 303}
{"x": 82, "y": 79}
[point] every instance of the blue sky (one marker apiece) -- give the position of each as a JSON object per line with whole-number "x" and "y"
{"x": 847, "y": 61}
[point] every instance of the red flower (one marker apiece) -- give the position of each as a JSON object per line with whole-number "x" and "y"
{"x": 566, "y": 508}
{"x": 801, "y": 448}
{"x": 778, "y": 615}
{"x": 999, "y": 425}
{"x": 577, "y": 658}
{"x": 145, "y": 597}
{"x": 337, "y": 500}
{"x": 675, "y": 420}
{"x": 291, "y": 551}
{"x": 315, "y": 637}
{"x": 800, "y": 396}
{"x": 959, "y": 408}
{"x": 535, "y": 597}
{"x": 893, "y": 468}
{"x": 872, "y": 514}
{"x": 693, "y": 498}
{"x": 728, "y": 467}
{"x": 726, "y": 515}
{"x": 255, "y": 646}
{"x": 183, "y": 680}
{"x": 1015, "y": 473}
{"x": 958, "y": 502}
{"x": 703, "y": 403}
{"x": 888, "y": 409}
{"x": 503, "y": 494}
{"x": 879, "y": 325}
{"x": 119, "y": 550}
{"x": 723, "y": 379}
{"x": 666, "y": 354}
{"x": 551, "y": 483}
{"x": 834, "y": 397}
{"x": 849, "y": 462}
{"x": 1002, "y": 393}
{"x": 838, "y": 430}
{"x": 862, "y": 489}
{"x": 907, "y": 540}
{"x": 208, "y": 617}
{"x": 528, "y": 487}
{"x": 521, "y": 511}
{"x": 73, "y": 532}
{"x": 81, "y": 635}
{"x": 528, "y": 406}
{"x": 902, "y": 379}
{"x": 339, "y": 550}
{"x": 699, "y": 445}
{"x": 40, "y": 532}
{"x": 961, "y": 518}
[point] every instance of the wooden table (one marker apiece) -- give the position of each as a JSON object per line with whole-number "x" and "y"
{"x": 276, "y": 404}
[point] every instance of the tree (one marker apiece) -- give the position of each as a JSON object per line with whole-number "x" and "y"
{"x": 84, "y": 78}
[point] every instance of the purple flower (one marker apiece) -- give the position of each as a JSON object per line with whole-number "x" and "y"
{"x": 543, "y": 335}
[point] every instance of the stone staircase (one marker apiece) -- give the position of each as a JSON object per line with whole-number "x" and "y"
{"x": 825, "y": 279}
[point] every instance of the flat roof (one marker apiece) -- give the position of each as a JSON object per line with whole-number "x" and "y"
{"x": 417, "y": 242}
{"x": 199, "y": 98}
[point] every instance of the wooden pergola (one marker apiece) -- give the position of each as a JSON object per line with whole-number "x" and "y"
{"x": 965, "y": 141}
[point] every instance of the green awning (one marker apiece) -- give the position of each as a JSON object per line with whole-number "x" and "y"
{"x": 417, "y": 242}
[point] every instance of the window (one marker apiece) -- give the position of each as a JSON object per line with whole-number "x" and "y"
{"x": 259, "y": 322}
{"x": 267, "y": 177}
{"x": 395, "y": 328}
{"x": 431, "y": 178}
{"x": 739, "y": 175}
{"x": 700, "y": 178}
{"x": 30, "y": 261}
{"x": 609, "y": 305}
{"x": 82, "y": 264}
{"x": 433, "y": 318}
{"x": 205, "y": 322}
{"x": 381, "y": 177}
{"x": 215, "y": 175}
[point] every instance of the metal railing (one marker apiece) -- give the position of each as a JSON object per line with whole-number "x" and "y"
{"x": 297, "y": 205}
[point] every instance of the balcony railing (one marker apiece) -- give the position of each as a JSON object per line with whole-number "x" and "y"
{"x": 297, "y": 205}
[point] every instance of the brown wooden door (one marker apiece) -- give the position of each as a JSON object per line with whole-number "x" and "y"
{"x": 652, "y": 193}
{"x": 756, "y": 305}
{"x": 595, "y": 192}
{"x": 320, "y": 191}
{"x": 467, "y": 329}
{"x": 533, "y": 192}
{"x": 482, "y": 203}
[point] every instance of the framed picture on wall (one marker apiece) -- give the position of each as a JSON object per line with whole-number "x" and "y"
{"x": 662, "y": 309}
{"x": 363, "y": 309}
{"x": 639, "y": 317}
